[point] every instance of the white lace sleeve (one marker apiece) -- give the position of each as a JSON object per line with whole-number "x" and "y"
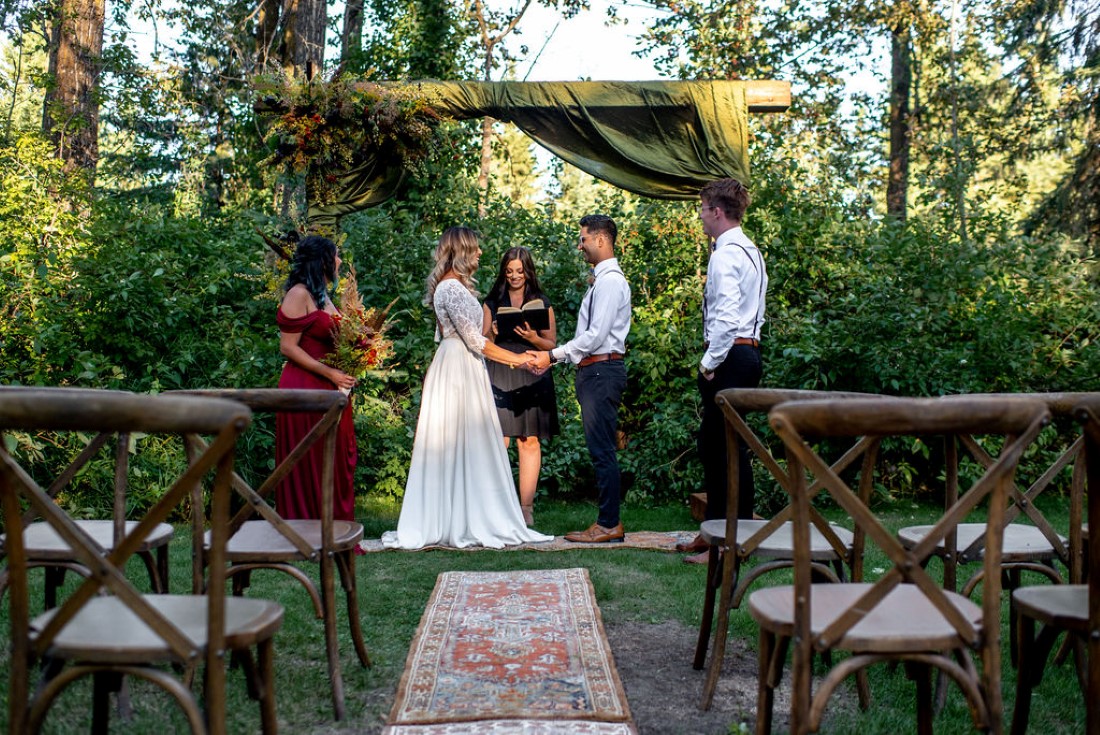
{"x": 460, "y": 313}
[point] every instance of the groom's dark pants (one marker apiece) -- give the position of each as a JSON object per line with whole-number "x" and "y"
{"x": 600, "y": 389}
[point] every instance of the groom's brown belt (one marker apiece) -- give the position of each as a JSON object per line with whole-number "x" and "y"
{"x": 602, "y": 357}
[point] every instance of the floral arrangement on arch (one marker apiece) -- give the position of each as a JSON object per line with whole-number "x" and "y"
{"x": 359, "y": 332}
{"x": 322, "y": 128}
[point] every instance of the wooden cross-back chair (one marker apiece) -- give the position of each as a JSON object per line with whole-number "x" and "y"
{"x": 1033, "y": 545}
{"x": 106, "y": 629}
{"x": 259, "y": 538}
{"x": 45, "y": 548}
{"x": 905, "y": 615}
{"x": 833, "y": 547}
{"x": 1072, "y": 608}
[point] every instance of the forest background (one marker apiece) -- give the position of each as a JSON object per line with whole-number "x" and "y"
{"x": 940, "y": 237}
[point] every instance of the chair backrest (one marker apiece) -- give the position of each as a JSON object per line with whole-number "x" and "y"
{"x": 1018, "y": 420}
{"x": 736, "y": 405}
{"x": 330, "y": 404}
{"x": 106, "y": 413}
{"x": 1088, "y": 412}
{"x": 1022, "y": 502}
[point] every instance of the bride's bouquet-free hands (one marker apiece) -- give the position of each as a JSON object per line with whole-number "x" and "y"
{"x": 359, "y": 333}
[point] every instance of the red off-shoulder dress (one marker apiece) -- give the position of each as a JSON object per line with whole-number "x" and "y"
{"x": 299, "y": 494}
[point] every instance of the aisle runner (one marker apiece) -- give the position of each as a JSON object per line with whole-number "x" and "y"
{"x": 655, "y": 540}
{"x": 504, "y": 653}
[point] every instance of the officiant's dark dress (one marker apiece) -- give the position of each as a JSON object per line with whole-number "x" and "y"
{"x": 526, "y": 403}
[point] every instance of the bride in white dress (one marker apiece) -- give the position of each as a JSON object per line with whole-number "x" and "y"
{"x": 460, "y": 490}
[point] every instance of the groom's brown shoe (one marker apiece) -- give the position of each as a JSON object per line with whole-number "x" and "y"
{"x": 597, "y": 534}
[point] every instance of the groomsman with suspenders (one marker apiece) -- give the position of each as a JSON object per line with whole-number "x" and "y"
{"x": 597, "y": 350}
{"x": 733, "y": 313}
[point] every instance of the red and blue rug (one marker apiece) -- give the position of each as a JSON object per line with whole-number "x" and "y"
{"x": 505, "y": 653}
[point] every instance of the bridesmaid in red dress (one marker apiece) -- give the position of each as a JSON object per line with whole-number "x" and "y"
{"x": 305, "y": 336}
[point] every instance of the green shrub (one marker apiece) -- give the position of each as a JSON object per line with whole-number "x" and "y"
{"x": 128, "y": 293}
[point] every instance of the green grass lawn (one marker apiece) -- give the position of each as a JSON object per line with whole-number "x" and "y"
{"x": 631, "y": 585}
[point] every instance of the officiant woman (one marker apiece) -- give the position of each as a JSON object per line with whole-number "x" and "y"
{"x": 305, "y": 320}
{"x": 525, "y": 400}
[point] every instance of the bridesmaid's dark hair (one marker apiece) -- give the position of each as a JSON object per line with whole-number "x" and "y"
{"x": 314, "y": 266}
{"x": 531, "y": 289}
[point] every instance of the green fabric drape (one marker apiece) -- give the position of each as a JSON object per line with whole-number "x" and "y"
{"x": 658, "y": 139}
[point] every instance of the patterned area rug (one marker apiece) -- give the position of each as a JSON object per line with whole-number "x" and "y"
{"x": 655, "y": 540}
{"x": 503, "y": 653}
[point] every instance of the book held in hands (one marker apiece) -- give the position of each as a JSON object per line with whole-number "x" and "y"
{"x": 534, "y": 312}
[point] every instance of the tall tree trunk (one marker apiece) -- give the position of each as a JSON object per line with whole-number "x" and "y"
{"x": 486, "y": 165}
{"x": 71, "y": 110}
{"x": 304, "y": 24}
{"x": 433, "y": 53}
{"x": 897, "y": 185}
{"x": 267, "y": 28}
{"x": 214, "y": 173}
{"x": 303, "y": 55}
{"x": 351, "y": 40}
{"x": 489, "y": 42}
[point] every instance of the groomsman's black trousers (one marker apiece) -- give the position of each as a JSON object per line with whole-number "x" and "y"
{"x": 742, "y": 368}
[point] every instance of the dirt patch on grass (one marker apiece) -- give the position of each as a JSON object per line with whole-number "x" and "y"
{"x": 664, "y": 691}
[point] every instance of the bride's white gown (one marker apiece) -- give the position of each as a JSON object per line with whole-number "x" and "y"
{"x": 460, "y": 490}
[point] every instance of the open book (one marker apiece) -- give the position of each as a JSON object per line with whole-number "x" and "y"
{"x": 534, "y": 312}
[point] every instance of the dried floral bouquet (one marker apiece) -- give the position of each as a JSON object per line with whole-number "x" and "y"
{"x": 359, "y": 333}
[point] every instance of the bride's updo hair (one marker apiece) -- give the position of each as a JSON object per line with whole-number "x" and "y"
{"x": 457, "y": 251}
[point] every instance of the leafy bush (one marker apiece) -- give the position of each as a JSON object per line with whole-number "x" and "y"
{"x": 132, "y": 294}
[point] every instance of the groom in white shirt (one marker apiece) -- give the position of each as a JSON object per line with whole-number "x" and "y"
{"x": 733, "y": 313}
{"x": 597, "y": 350}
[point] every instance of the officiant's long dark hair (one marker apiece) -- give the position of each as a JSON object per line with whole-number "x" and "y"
{"x": 531, "y": 289}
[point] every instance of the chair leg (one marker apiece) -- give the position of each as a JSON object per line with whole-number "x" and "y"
{"x": 242, "y": 659}
{"x": 765, "y": 688}
{"x": 162, "y": 568}
{"x": 713, "y": 581}
{"x": 346, "y": 564}
{"x": 242, "y": 580}
{"x": 1013, "y": 579}
{"x": 863, "y": 690}
{"x": 265, "y": 651}
{"x": 332, "y": 646}
{"x": 921, "y": 675}
{"x": 1025, "y": 643}
{"x": 771, "y": 661}
{"x": 55, "y": 578}
{"x": 728, "y": 565}
{"x": 939, "y": 699}
{"x": 101, "y": 703}
{"x": 1080, "y": 662}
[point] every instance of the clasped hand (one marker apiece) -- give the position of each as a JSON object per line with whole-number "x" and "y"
{"x": 526, "y": 361}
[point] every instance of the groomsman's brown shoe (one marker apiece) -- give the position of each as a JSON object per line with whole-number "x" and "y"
{"x": 597, "y": 534}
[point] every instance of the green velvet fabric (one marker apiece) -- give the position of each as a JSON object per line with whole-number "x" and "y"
{"x": 658, "y": 139}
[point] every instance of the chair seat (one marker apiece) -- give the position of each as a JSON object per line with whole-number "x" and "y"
{"x": 43, "y": 543}
{"x": 1021, "y": 542}
{"x": 905, "y": 620}
{"x": 780, "y": 544}
{"x": 1065, "y": 606}
{"x": 258, "y": 541}
{"x": 106, "y": 630}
